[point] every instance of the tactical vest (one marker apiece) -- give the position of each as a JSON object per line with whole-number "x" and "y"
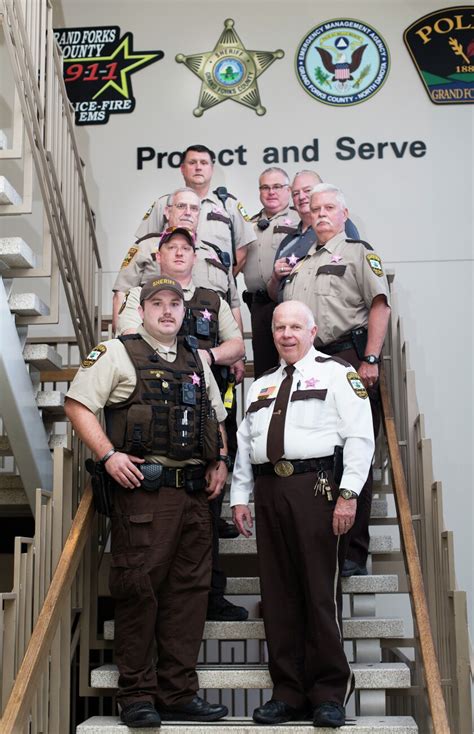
{"x": 168, "y": 413}
{"x": 206, "y": 330}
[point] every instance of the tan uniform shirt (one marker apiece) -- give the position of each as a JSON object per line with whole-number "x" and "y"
{"x": 129, "y": 317}
{"x": 139, "y": 266}
{"x": 213, "y": 225}
{"x": 261, "y": 253}
{"x": 328, "y": 407}
{"x": 111, "y": 379}
{"x": 338, "y": 282}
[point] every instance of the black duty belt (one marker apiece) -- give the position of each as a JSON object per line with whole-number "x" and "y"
{"x": 261, "y": 296}
{"x": 335, "y": 347}
{"x": 285, "y": 468}
{"x": 190, "y": 478}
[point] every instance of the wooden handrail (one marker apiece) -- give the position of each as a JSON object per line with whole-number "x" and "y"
{"x": 23, "y": 691}
{"x": 420, "y": 606}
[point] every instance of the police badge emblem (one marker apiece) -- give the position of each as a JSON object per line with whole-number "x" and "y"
{"x": 229, "y": 71}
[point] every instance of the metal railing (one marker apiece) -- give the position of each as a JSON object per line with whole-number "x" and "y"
{"x": 446, "y": 605}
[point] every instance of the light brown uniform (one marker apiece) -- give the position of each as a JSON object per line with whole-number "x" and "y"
{"x": 139, "y": 266}
{"x": 130, "y": 319}
{"x": 257, "y": 272}
{"x": 338, "y": 283}
{"x": 214, "y": 222}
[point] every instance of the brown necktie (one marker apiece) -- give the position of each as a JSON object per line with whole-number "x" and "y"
{"x": 276, "y": 429}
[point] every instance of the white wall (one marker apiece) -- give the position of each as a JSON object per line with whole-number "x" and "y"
{"x": 416, "y": 212}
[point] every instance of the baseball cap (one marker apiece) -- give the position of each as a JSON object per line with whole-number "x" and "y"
{"x": 160, "y": 284}
{"x": 171, "y": 231}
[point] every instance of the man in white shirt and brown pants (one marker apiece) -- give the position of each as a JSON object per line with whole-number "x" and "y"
{"x": 307, "y": 421}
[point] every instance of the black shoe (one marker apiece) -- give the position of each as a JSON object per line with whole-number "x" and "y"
{"x": 227, "y": 529}
{"x": 196, "y": 710}
{"x": 276, "y": 712}
{"x": 351, "y": 568}
{"x": 140, "y": 715}
{"x": 221, "y": 610}
{"x": 329, "y": 714}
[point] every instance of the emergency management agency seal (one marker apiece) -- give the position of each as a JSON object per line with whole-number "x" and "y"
{"x": 342, "y": 62}
{"x": 229, "y": 71}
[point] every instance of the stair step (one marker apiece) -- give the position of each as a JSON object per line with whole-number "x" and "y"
{"x": 51, "y": 402}
{"x": 3, "y": 140}
{"x": 42, "y": 356}
{"x": 368, "y": 628}
{"x": 27, "y": 304}
{"x": 15, "y": 253}
{"x": 377, "y": 584}
{"x": 358, "y": 725}
{"x": 241, "y": 545}
{"x": 374, "y": 676}
{"x": 8, "y": 195}
{"x": 56, "y": 440}
{"x": 379, "y": 508}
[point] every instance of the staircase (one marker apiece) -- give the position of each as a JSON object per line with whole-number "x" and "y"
{"x": 232, "y": 667}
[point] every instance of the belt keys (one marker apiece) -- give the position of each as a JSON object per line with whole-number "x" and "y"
{"x": 322, "y": 485}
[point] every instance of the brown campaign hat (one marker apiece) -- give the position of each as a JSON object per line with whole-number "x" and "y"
{"x": 171, "y": 231}
{"x": 160, "y": 284}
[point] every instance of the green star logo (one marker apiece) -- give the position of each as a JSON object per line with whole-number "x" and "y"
{"x": 229, "y": 71}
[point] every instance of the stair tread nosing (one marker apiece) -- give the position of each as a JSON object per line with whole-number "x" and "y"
{"x": 358, "y": 725}
{"x": 371, "y": 584}
{"x": 42, "y": 356}
{"x": 15, "y": 253}
{"x": 253, "y": 629}
{"x": 27, "y": 304}
{"x": 8, "y": 195}
{"x": 232, "y": 546}
{"x": 375, "y": 676}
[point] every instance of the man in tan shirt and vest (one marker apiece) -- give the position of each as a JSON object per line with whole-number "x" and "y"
{"x": 272, "y": 224}
{"x": 343, "y": 283}
{"x": 164, "y": 450}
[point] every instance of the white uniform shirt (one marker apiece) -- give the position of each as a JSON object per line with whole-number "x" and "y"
{"x": 328, "y": 407}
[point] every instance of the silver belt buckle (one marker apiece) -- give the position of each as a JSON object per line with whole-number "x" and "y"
{"x": 283, "y": 468}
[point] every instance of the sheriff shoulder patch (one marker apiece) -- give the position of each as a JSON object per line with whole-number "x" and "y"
{"x": 124, "y": 302}
{"x": 129, "y": 257}
{"x": 243, "y": 211}
{"x": 148, "y": 212}
{"x": 96, "y": 354}
{"x": 357, "y": 385}
{"x": 375, "y": 263}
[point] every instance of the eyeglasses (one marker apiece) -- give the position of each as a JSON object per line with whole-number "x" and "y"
{"x": 275, "y": 187}
{"x": 192, "y": 207}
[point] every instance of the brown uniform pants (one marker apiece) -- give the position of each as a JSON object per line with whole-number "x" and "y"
{"x": 359, "y": 537}
{"x": 299, "y": 557}
{"x": 265, "y": 355}
{"x": 160, "y": 576}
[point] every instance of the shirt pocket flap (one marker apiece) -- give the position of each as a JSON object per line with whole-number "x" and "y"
{"x": 259, "y": 404}
{"x": 218, "y": 217}
{"x": 141, "y": 519}
{"x": 307, "y": 394}
{"x": 331, "y": 270}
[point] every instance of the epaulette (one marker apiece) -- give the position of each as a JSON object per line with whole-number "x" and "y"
{"x": 333, "y": 358}
{"x": 362, "y": 242}
{"x": 147, "y": 236}
{"x": 270, "y": 371}
{"x": 128, "y": 337}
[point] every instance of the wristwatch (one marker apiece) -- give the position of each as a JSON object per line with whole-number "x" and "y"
{"x": 348, "y": 494}
{"x": 371, "y": 359}
{"x": 226, "y": 459}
